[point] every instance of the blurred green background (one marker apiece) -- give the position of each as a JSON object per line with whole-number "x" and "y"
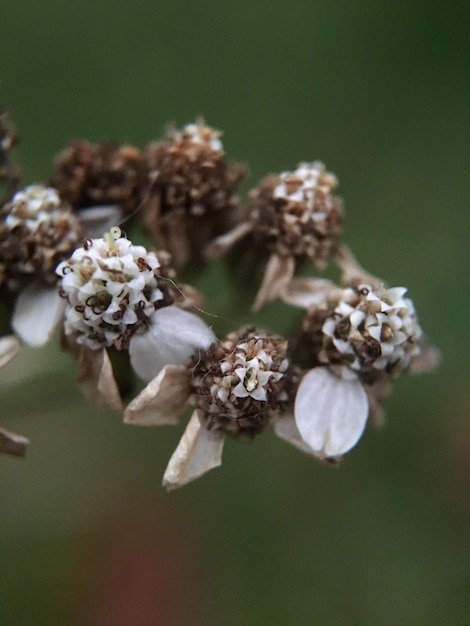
{"x": 380, "y": 92}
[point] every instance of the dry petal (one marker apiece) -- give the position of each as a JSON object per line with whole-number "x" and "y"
{"x": 96, "y": 380}
{"x": 198, "y": 451}
{"x": 219, "y": 246}
{"x": 278, "y": 273}
{"x": 12, "y": 444}
{"x": 9, "y": 348}
{"x": 163, "y": 400}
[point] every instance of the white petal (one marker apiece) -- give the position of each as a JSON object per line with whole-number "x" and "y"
{"x": 330, "y": 412}
{"x": 38, "y": 310}
{"x": 163, "y": 400}
{"x": 174, "y": 335}
{"x": 277, "y": 275}
{"x": 97, "y": 220}
{"x": 198, "y": 451}
{"x": 9, "y": 348}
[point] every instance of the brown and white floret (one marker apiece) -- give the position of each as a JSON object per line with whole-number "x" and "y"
{"x": 236, "y": 386}
{"x": 112, "y": 288}
{"x": 291, "y": 216}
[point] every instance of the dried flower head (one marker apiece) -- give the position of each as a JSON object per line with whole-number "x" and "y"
{"x": 239, "y": 383}
{"x": 112, "y": 289}
{"x": 89, "y": 175}
{"x": 295, "y": 213}
{"x": 37, "y": 231}
{"x": 236, "y": 387}
{"x": 191, "y": 190}
{"x": 361, "y": 338}
{"x": 291, "y": 216}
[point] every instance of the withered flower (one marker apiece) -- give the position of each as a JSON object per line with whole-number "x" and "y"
{"x": 119, "y": 295}
{"x": 292, "y": 216}
{"x": 191, "y": 191}
{"x": 236, "y": 387}
{"x": 360, "y": 340}
{"x": 37, "y": 231}
{"x": 102, "y": 182}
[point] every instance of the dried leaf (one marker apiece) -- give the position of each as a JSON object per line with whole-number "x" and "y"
{"x": 427, "y": 361}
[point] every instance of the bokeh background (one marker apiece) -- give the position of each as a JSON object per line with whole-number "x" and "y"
{"x": 379, "y": 91}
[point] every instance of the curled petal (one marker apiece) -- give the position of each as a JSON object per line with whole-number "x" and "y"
{"x": 163, "y": 400}
{"x": 279, "y": 272}
{"x": 330, "y": 412}
{"x": 198, "y": 451}
{"x": 38, "y": 310}
{"x": 9, "y": 348}
{"x": 12, "y": 444}
{"x": 174, "y": 335}
{"x": 307, "y": 292}
{"x": 96, "y": 380}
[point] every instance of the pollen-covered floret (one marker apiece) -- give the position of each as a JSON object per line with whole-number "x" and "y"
{"x": 295, "y": 213}
{"x": 240, "y": 383}
{"x": 37, "y": 231}
{"x": 112, "y": 288}
{"x": 370, "y": 330}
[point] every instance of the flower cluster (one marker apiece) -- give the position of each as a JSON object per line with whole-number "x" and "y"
{"x": 112, "y": 289}
{"x": 64, "y": 256}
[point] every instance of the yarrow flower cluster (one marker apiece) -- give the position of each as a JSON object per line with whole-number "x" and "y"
{"x": 112, "y": 289}
{"x": 116, "y": 299}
